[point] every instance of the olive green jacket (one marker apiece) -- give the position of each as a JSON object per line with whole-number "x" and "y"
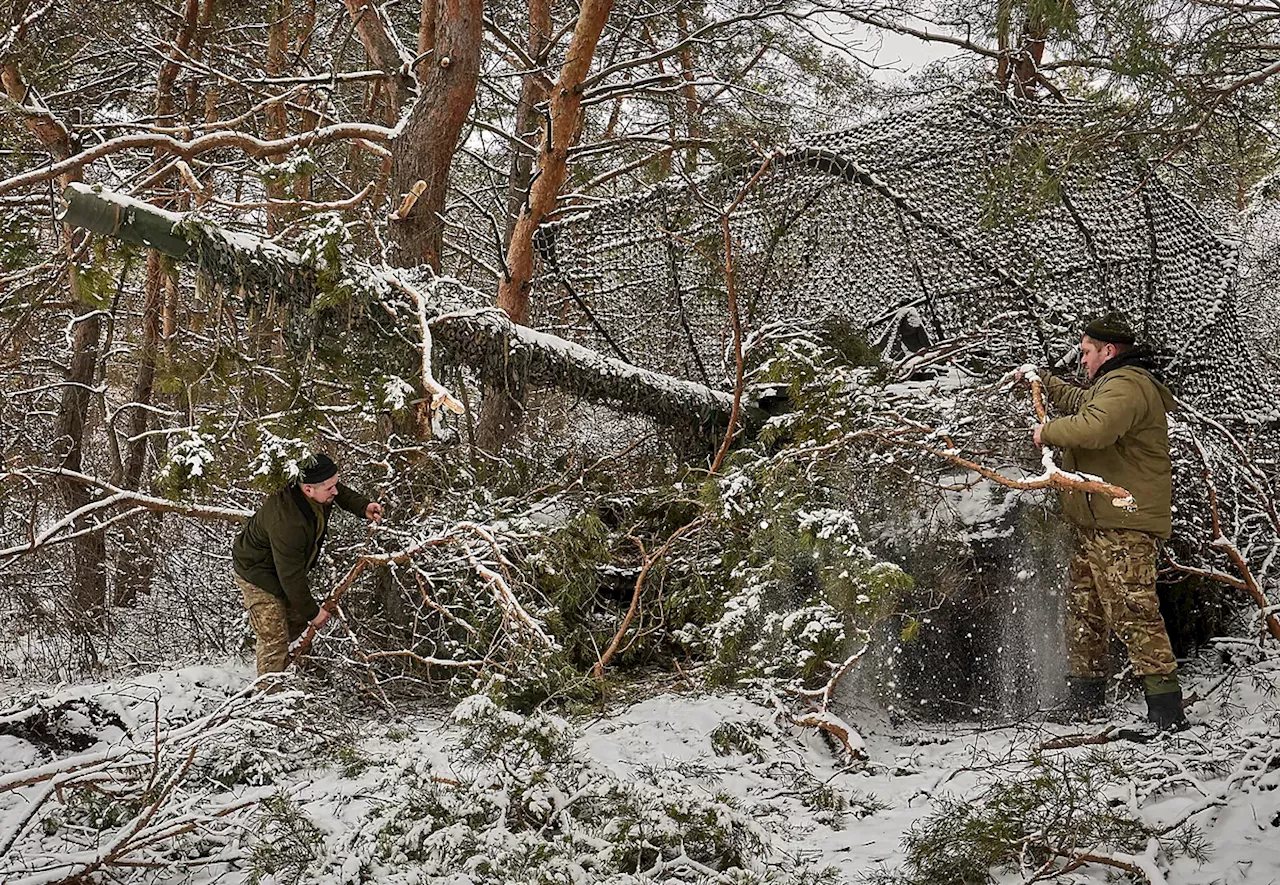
{"x": 1116, "y": 429}
{"x": 281, "y": 543}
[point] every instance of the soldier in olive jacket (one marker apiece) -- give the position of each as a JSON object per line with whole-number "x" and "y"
{"x": 278, "y": 546}
{"x": 1116, "y": 429}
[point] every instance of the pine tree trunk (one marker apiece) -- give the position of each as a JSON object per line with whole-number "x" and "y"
{"x": 693, "y": 118}
{"x": 277, "y": 116}
{"x": 500, "y": 410}
{"x": 89, "y": 552}
{"x": 306, "y": 24}
{"x": 89, "y": 583}
{"x": 421, "y": 156}
{"x": 381, "y": 47}
{"x": 566, "y": 105}
{"x": 533, "y": 91}
{"x": 134, "y": 566}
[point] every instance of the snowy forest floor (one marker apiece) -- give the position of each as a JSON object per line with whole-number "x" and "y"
{"x": 181, "y": 775}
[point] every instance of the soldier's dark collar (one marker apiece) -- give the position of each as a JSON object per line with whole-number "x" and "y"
{"x": 300, "y": 498}
{"x": 1137, "y": 357}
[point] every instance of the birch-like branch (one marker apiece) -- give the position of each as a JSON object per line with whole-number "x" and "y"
{"x": 116, "y": 496}
{"x": 650, "y": 559}
{"x": 187, "y": 150}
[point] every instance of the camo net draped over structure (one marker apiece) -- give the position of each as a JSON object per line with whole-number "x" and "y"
{"x": 919, "y": 214}
{"x": 1257, "y": 294}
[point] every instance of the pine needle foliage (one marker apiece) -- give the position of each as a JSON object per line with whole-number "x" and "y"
{"x": 290, "y": 842}
{"x": 1058, "y": 813}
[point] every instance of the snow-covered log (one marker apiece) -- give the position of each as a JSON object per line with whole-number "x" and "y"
{"x": 504, "y": 353}
{"x": 518, "y": 358}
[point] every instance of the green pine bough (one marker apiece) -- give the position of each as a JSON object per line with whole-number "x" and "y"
{"x": 505, "y": 354}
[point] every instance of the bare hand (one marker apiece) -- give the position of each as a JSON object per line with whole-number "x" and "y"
{"x": 1035, "y": 434}
{"x": 374, "y": 512}
{"x": 321, "y": 619}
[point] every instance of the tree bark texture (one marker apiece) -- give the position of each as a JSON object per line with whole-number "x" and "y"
{"x": 133, "y": 566}
{"x": 277, "y": 116}
{"x": 426, "y": 37}
{"x": 195, "y": 110}
{"x": 533, "y": 91}
{"x": 304, "y": 25}
{"x": 380, "y": 44}
{"x": 688, "y": 89}
{"x": 1026, "y": 70}
{"x": 424, "y": 149}
{"x": 89, "y": 584}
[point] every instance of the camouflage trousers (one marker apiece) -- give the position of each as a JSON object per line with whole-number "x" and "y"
{"x": 1113, "y": 590}
{"x": 274, "y": 624}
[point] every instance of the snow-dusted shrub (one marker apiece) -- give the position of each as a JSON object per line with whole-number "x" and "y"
{"x": 494, "y": 734}
{"x": 649, "y": 829}
{"x": 1060, "y": 812}
{"x": 186, "y": 464}
{"x": 523, "y": 803}
{"x": 258, "y": 759}
{"x": 805, "y": 588}
{"x": 278, "y": 459}
{"x": 89, "y": 808}
{"x": 804, "y": 585}
{"x": 738, "y": 736}
{"x": 289, "y": 842}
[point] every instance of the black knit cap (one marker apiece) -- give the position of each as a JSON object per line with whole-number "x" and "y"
{"x": 1111, "y": 329}
{"x": 317, "y": 469}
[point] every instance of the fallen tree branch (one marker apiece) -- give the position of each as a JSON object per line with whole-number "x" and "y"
{"x": 1052, "y": 478}
{"x": 1080, "y": 740}
{"x": 828, "y": 691}
{"x": 1134, "y": 865}
{"x": 439, "y": 395}
{"x": 829, "y": 723}
{"x": 1249, "y": 583}
{"x": 116, "y": 496}
{"x": 500, "y": 585}
{"x": 303, "y": 643}
{"x": 1065, "y": 481}
{"x": 650, "y": 559}
{"x": 147, "y": 772}
{"x": 514, "y": 357}
{"x": 514, "y": 614}
{"x": 504, "y": 354}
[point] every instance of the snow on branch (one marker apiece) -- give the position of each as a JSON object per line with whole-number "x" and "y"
{"x": 63, "y": 529}
{"x": 149, "y": 774}
{"x": 1053, "y": 477}
{"x": 500, "y": 350}
{"x": 828, "y": 723}
{"x": 248, "y": 144}
{"x": 440, "y": 396}
{"x": 513, "y": 612}
{"x": 497, "y": 580}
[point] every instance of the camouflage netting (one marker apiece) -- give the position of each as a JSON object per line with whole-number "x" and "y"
{"x": 923, "y": 213}
{"x": 1257, "y": 295}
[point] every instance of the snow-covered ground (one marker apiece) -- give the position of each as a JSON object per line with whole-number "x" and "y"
{"x": 182, "y": 776}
